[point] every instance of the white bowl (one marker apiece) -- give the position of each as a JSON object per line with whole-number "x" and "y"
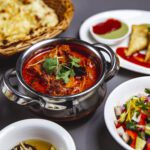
{"x": 36, "y": 129}
{"x": 119, "y": 96}
{"x": 108, "y": 41}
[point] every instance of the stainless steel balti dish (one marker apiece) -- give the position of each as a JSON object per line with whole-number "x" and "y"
{"x": 61, "y": 108}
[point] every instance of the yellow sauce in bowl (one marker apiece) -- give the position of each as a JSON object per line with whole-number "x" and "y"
{"x": 34, "y": 144}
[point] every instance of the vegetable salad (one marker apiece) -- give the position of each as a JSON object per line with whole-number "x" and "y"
{"x": 133, "y": 121}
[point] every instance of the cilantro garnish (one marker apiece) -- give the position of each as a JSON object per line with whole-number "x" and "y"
{"x": 50, "y": 64}
{"x": 64, "y": 76}
{"x": 75, "y": 61}
{"x": 62, "y": 71}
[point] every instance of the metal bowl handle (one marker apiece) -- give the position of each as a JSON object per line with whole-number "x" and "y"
{"x": 14, "y": 95}
{"x": 114, "y": 61}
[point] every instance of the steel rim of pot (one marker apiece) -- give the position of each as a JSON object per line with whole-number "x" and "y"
{"x": 105, "y": 73}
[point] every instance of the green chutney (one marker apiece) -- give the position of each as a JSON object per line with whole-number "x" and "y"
{"x": 116, "y": 33}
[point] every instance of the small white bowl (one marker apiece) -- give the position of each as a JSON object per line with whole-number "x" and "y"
{"x": 108, "y": 41}
{"x": 119, "y": 96}
{"x": 36, "y": 129}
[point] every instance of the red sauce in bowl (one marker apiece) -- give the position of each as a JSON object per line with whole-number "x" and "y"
{"x": 136, "y": 58}
{"x": 107, "y": 26}
{"x": 52, "y": 83}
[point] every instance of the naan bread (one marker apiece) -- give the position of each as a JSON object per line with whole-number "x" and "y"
{"x": 147, "y": 58}
{"x": 20, "y": 20}
{"x": 138, "y": 39}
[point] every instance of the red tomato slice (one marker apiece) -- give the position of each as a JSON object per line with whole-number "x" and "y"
{"x": 133, "y": 136}
{"x": 143, "y": 119}
{"x": 148, "y": 146}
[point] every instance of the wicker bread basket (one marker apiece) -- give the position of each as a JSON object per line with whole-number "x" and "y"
{"x": 63, "y": 8}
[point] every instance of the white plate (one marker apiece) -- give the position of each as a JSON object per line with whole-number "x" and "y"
{"x": 119, "y": 96}
{"x": 130, "y": 16}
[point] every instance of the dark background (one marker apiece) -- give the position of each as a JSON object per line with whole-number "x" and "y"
{"x": 90, "y": 134}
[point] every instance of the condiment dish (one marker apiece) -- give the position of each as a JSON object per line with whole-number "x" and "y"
{"x": 109, "y": 41}
{"x": 40, "y": 129}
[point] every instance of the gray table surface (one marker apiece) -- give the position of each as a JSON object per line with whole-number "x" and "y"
{"x": 90, "y": 134}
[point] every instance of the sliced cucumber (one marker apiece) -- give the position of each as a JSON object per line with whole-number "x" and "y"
{"x": 140, "y": 144}
{"x": 147, "y": 129}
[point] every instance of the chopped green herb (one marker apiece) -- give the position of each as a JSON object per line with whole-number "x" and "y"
{"x": 50, "y": 64}
{"x": 147, "y": 90}
{"x": 72, "y": 73}
{"x": 142, "y": 105}
{"x": 131, "y": 126}
{"x": 75, "y": 62}
{"x": 62, "y": 71}
{"x": 64, "y": 76}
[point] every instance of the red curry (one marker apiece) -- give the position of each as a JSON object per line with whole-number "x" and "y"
{"x": 60, "y": 71}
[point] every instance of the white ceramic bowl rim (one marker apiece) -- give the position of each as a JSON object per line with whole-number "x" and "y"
{"x": 43, "y": 123}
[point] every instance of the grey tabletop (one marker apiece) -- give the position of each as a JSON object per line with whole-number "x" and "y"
{"x": 90, "y": 134}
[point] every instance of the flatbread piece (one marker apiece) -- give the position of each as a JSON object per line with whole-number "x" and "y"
{"x": 21, "y": 20}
